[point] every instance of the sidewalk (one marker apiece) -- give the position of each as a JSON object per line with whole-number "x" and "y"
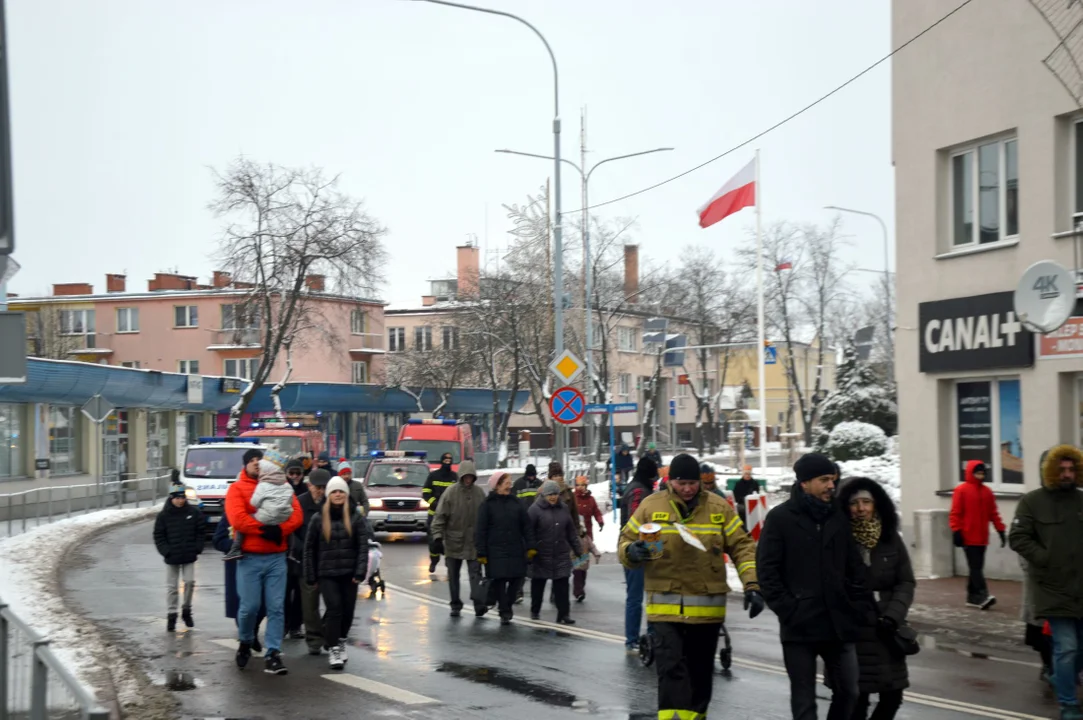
{"x": 940, "y": 611}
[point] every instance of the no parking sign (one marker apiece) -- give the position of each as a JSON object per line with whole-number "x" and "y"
{"x": 567, "y": 405}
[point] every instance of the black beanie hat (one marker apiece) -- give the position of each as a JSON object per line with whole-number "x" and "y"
{"x": 814, "y": 465}
{"x": 531, "y": 471}
{"x": 253, "y": 454}
{"x": 684, "y": 467}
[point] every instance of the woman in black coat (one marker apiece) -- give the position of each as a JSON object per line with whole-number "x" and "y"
{"x": 222, "y": 542}
{"x": 504, "y": 539}
{"x": 556, "y": 538}
{"x": 875, "y": 526}
{"x": 337, "y": 560}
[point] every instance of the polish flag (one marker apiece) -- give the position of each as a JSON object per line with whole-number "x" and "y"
{"x": 784, "y": 265}
{"x": 737, "y": 194}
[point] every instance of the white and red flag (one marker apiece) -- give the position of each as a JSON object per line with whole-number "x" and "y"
{"x": 738, "y": 193}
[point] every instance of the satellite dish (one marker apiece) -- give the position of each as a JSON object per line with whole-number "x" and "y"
{"x": 1045, "y": 297}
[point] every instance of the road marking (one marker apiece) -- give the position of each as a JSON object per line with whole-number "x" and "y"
{"x": 916, "y": 698}
{"x": 232, "y": 645}
{"x": 378, "y": 688}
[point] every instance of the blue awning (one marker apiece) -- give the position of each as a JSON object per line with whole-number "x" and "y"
{"x": 63, "y": 382}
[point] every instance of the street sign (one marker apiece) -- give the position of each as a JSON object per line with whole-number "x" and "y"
{"x": 567, "y": 405}
{"x": 683, "y": 380}
{"x": 195, "y": 389}
{"x": 567, "y": 366}
{"x": 606, "y": 408}
{"x": 770, "y": 355}
{"x": 672, "y": 408}
{"x": 97, "y": 409}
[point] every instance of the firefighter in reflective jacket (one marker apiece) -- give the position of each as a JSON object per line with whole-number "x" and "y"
{"x": 438, "y": 481}
{"x": 686, "y": 587}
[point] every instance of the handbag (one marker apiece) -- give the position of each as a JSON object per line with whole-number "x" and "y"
{"x": 479, "y": 591}
{"x": 906, "y": 640}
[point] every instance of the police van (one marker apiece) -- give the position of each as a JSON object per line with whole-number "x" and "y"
{"x": 210, "y": 467}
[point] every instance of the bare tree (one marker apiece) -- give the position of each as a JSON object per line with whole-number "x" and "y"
{"x": 441, "y": 367}
{"x": 46, "y": 338}
{"x": 284, "y": 226}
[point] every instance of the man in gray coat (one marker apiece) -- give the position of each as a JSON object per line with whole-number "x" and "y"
{"x": 453, "y": 533}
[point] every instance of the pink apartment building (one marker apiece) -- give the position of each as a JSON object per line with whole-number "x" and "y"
{"x": 179, "y": 325}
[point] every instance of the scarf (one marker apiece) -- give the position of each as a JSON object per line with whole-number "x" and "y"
{"x": 817, "y": 508}
{"x": 866, "y": 532}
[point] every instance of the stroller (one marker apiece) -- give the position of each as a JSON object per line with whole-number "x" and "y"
{"x": 646, "y": 649}
{"x": 374, "y": 579}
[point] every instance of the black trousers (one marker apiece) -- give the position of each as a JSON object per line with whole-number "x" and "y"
{"x": 684, "y": 656}
{"x": 504, "y": 591}
{"x": 560, "y": 595}
{"x": 428, "y": 535}
{"x": 976, "y": 589}
{"x": 840, "y": 663}
{"x": 454, "y": 575}
{"x": 339, "y": 595}
{"x": 295, "y": 616}
{"x": 887, "y": 705}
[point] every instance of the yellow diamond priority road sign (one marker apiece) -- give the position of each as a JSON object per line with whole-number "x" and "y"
{"x": 567, "y": 366}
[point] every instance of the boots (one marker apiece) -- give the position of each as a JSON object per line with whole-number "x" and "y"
{"x": 171, "y": 622}
{"x": 186, "y": 615}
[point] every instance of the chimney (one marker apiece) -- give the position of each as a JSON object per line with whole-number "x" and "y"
{"x": 221, "y": 279}
{"x": 469, "y": 269}
{"x": 631, "y": 273}
{"x": 73, "y": 289}
{"x": 171, "y": 281}
{"x": 13, "y": 295}
{"x": 314, "y": 282}
{"x": 115, "y": 283}
{"x": 428, "y": 300}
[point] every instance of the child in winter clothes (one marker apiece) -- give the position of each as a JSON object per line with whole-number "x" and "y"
{"x": 581, "y": 564}
{"x": 179, "y": 533}
{"x": 273, "y": 498}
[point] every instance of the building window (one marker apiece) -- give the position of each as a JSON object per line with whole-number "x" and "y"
{"x": 188, "y": 367}
{"x": 396, "y": 339}
{"x": 244, "y": 368}
{"x": 423, "y": 338}
{"x": 626, "y": 339}
{"x": 989, "y": 417}
{"x": 596, "y": 338}
{"x": 985, "y": 194}
{"x": 451, "y": 337}
{"x": 357, "y": 321}
{"x": 239, "y": 317}
{"x": 11, "y": 440}
{"x": 360, "y": 372}
{"x": 63, "y": 440}
{"x": 624, "y": 384}
{"x": 77, "y": 322}
{"x": 185, "y": 316}
{"x": 131, "y": 364}
{"x": 127, "y": 320}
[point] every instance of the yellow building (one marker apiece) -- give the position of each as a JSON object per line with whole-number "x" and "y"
{"x": 738, "y": 368}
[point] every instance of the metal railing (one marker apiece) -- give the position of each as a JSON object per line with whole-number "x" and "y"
{"x": 34, "y": 682}
{"x": 27, "y": 509}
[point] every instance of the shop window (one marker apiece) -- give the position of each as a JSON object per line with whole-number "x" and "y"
{"x": 11, "y": 441}
{"x": 988, "y": 427}
{"x": 64, "y": 440}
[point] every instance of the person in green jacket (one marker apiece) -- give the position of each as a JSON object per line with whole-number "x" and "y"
{"x": 1048, "y": 535}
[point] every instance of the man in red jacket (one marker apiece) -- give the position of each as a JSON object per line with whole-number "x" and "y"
{"x": 973, "y": 507}
{"x": 261, "y": 573}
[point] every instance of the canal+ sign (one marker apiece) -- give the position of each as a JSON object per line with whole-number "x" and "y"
{"x": 980, "y": 332}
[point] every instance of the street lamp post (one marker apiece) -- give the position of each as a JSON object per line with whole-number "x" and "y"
{"x": 887, "y": 269}
{"x": 558, "y": 242}
{"x": 588, "y": 278}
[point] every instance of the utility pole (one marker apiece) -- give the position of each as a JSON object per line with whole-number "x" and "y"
{"x": 588, "y": 314}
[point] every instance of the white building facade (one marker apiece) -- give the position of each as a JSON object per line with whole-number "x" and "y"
{"x": 988, "y": 154}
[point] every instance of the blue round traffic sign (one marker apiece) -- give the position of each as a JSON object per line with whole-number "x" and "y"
{"x": 567, "y": 405}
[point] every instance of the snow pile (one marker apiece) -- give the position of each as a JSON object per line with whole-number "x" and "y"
{"x": 28, "y": 575}
{"x": 884, "y": 469}
{"x": 853, "y": 440}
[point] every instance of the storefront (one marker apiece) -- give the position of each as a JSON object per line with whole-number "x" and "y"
{"x": 12, "y": 438}
{"x": 64, "y": 445}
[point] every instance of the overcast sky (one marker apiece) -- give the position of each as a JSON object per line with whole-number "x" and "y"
{"x": 120, "y": 107}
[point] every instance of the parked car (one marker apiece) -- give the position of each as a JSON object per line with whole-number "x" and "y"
{"x": 393, "y": 481}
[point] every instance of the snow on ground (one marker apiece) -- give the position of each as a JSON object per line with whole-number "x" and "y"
{"x": 884, "y": 469}
{"x": 28, "y": 575}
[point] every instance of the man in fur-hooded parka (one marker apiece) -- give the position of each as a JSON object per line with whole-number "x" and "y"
{"x": 891, "y": 576}
{"x": 1047, "y": 533}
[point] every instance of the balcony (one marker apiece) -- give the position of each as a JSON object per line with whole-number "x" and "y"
{"x": 78, "y": 344}
{"x": 366, "y": 343}
{"x": 1076, "y": 236}
{"x": 234, "y": 339}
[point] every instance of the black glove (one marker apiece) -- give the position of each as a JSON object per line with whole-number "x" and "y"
{"x": 271, "y": 533}
{"x": 1003, "y": 538}
{"x": 638, "y": 552}
{"x": 886, "y": 627}
{"x": 753, "y": 603}
{"x": 957, "y": 536}
{"x": 437, "y": 546}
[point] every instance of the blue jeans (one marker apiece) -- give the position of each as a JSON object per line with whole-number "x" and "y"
{"x": 633, "y": 605}
{"x": 1067, "y": 657}
{"x": 261, "y": 580}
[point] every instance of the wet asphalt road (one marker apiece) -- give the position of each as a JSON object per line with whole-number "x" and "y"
{"x": 409, "y": 659}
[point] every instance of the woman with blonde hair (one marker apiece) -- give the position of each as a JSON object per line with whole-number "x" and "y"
{"x": 336, "y": 560}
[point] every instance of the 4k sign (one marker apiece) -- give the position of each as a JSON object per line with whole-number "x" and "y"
{"x": 1046, "y": 287}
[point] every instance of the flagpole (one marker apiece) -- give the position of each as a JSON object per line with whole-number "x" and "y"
{"x": 761, "y": 349}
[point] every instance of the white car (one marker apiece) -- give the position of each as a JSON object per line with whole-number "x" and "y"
{"x": 210, "y": 467}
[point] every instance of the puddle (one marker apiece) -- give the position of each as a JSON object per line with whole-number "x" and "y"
{"x": 179, "y": 681}
{"x": 516, "y": 684}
